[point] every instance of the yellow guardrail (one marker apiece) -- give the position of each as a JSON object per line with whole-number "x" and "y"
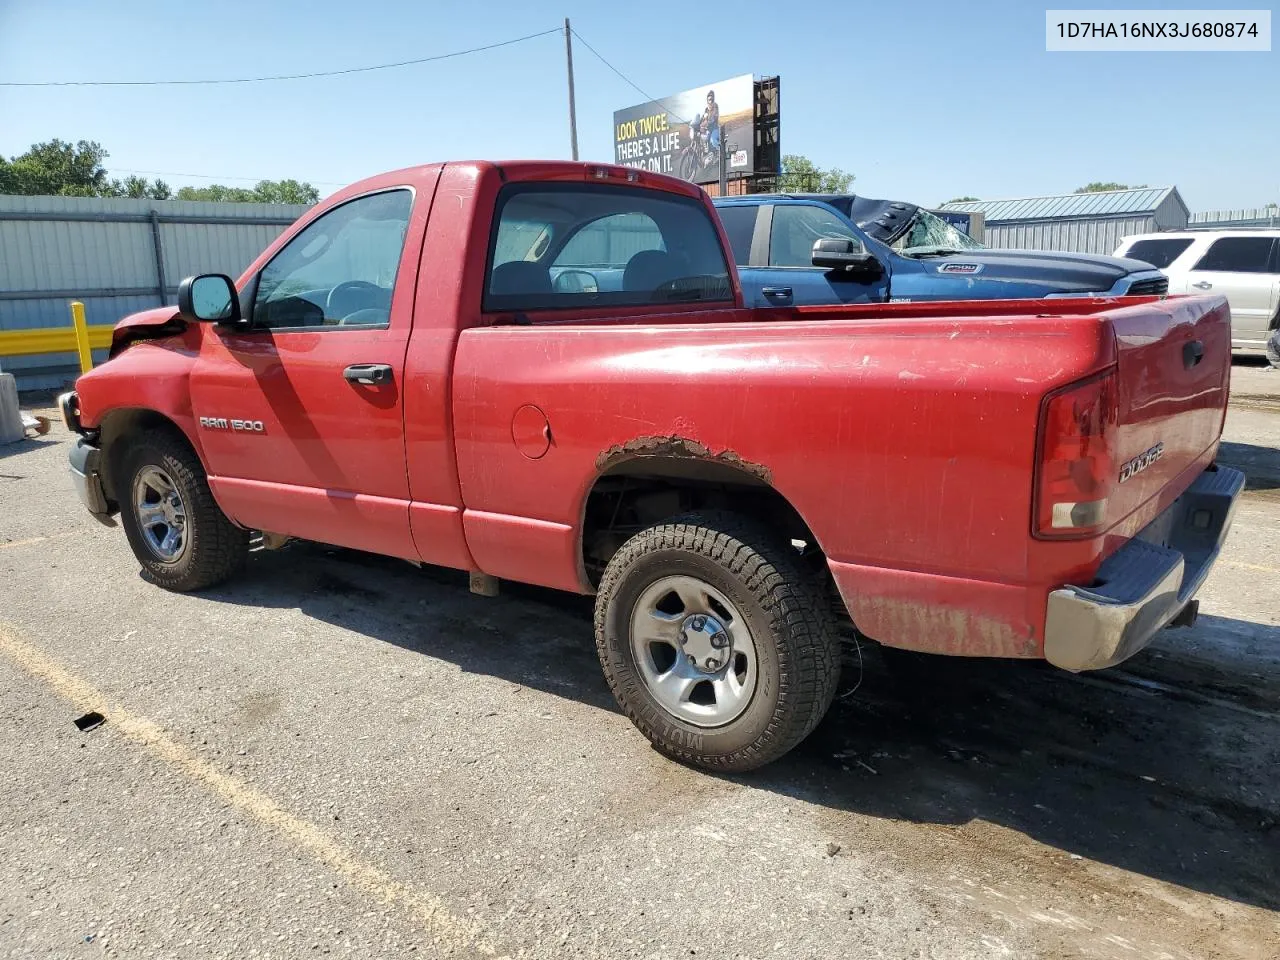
{"x": 19, "y": 343}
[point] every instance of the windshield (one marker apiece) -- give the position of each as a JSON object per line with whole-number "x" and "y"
{"x": 930, "y": 234}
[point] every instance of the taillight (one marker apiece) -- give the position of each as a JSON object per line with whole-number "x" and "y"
{"x": 629, "y": 174}
{"x": 1076, "y": 464}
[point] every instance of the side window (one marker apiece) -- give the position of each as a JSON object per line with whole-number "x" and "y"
{"x": 1237, "y": 255}
{"x": 610, "y": 242}
{"x": 796, "y": 227}
{"x": 569, "y": 245}
{"x": 340, "y": 270}
{"x": 740, "y": 225}
{"x": 1158, "y": 253}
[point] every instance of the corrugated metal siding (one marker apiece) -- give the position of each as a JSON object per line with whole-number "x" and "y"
{"x": 1171, "y": 214}
{"x": 53, "y": 255}
{"x": 79, "y": 255}
{"x": 206, "y": 248}
{"x": 1081, "y": 236}
{"x": 80, "y": 206}
{"x": 1254, "y": 217}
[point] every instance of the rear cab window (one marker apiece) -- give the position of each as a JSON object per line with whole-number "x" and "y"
{"x": 563, "y": 246}
{"x": 1159, "y": 253}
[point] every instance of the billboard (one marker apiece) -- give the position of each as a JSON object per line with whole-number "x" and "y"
{"x": 680, "y": 135}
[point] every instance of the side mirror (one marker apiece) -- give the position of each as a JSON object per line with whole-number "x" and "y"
{"x": 843, "y": 253}
{"x": 575, "y": 281}
{"x": 209, "y": 298}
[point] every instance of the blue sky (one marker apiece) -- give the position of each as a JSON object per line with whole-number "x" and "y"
{"x": 923, "y": 101}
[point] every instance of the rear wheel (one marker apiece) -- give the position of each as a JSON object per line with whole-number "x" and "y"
{"x": 177, "y": 532}
{"x": 716, "y": 642}
{"x": 1273, "y": 349}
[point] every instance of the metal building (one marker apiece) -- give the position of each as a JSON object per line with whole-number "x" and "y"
{"x": 1083, "y": 222}
{"x": 1268, "y": 216}
{"x": 117, "y": 256}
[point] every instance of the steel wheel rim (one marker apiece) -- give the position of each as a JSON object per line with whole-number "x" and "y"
{"x": 693, "y": 651}
{"x": 161, "y": 514}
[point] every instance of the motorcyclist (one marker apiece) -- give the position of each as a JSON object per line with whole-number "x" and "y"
{"x": 708, "y": 122}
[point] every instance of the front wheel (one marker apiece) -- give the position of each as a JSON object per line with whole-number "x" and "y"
{"x": 716, "y": 642}
{"x": 1273, "y": 349}
{"x": 177, "y": 532}
{"x": 688, "y": 166}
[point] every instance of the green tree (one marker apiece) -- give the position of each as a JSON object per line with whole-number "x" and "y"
{"x": 57, "y": 168}
{"x": 138, "y": 188}
{"x": 265, "y": 191}
{"x": 800, "y": 175}
{"x": 285, "y": 191}
{"x": 1099, "y": 186}
{"x": 961, "y": 199}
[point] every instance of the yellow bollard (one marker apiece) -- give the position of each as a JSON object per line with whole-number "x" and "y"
{"x": 82, "y": 336}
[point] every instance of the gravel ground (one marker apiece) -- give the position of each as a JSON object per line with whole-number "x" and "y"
{"x": 339, "y": 754}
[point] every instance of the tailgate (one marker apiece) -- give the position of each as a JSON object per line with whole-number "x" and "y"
{"x": 1174, "y": 369}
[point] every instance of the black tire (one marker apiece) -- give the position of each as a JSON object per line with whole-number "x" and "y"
{"x": 1273, "y": 349}
{"x": 215, "y": 548}
{"x": 796, "y": 643}
{"x": 688, "y": 166}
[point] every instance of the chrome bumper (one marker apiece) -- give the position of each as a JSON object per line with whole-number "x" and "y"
{"x": 1147, "y": 582}
{"x": 85, "y": 477}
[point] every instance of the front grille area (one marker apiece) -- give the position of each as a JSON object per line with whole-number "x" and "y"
{"x": 1149, "y": 288}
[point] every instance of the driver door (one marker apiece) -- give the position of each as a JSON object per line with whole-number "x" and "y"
{"x": 791, "y": 279}
{"x": 300, "y": 410}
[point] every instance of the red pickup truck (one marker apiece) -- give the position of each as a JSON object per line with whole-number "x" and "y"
{"x": 544, "y": 372}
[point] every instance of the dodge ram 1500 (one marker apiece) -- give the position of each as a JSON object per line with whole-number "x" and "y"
{"x": 545, "y": 372}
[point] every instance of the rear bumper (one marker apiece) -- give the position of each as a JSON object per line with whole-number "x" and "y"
{"x": 1147, "y": 582}
{"x": 86, "y": 478}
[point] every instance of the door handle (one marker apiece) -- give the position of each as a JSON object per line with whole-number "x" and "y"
{"x": 1203, "y": 285}
{"x": 780, "y": 293}
{"x": 1192, "y": 353}
{"x": 370, "y": 374}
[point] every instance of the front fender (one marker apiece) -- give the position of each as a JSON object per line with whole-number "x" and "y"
{"x": 152, "y": 376}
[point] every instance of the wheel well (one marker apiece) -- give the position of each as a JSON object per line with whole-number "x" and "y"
{"x": 117, "y": 426}
{"x": 641, "y": 492}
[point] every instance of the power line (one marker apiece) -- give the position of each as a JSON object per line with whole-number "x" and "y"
{"x": 211, "y": 176}
{"x": 287, "y": 76}
{"x": 624, "y": 77}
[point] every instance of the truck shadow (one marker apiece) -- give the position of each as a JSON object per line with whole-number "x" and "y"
{"x": 1261, "y": 465}
{"x": 26, "y": 445}
{"x": 1166, "y": 767}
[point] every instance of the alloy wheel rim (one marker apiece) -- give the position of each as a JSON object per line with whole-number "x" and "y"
{"x": 161, "y": 514}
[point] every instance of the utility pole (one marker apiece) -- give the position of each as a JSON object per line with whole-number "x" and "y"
{"x": 724, "y": 166}
{"x": 573, "y": 110}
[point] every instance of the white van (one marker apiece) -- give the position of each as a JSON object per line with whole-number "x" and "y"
{"x": 1244, "y": 265}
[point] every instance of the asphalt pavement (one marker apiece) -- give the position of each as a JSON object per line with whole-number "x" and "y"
{"x": 344, "y": 755}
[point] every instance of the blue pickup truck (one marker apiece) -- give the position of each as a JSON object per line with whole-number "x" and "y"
{"x": 797, "y": 249}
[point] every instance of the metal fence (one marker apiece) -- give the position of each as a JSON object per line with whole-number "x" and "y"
{"x": 117, "y": 256}
{"x": 1081, "y": 235}
{"x": 1268, "y": 216}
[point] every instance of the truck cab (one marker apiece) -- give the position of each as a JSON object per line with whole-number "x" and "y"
{"x": 910, "y": 255}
